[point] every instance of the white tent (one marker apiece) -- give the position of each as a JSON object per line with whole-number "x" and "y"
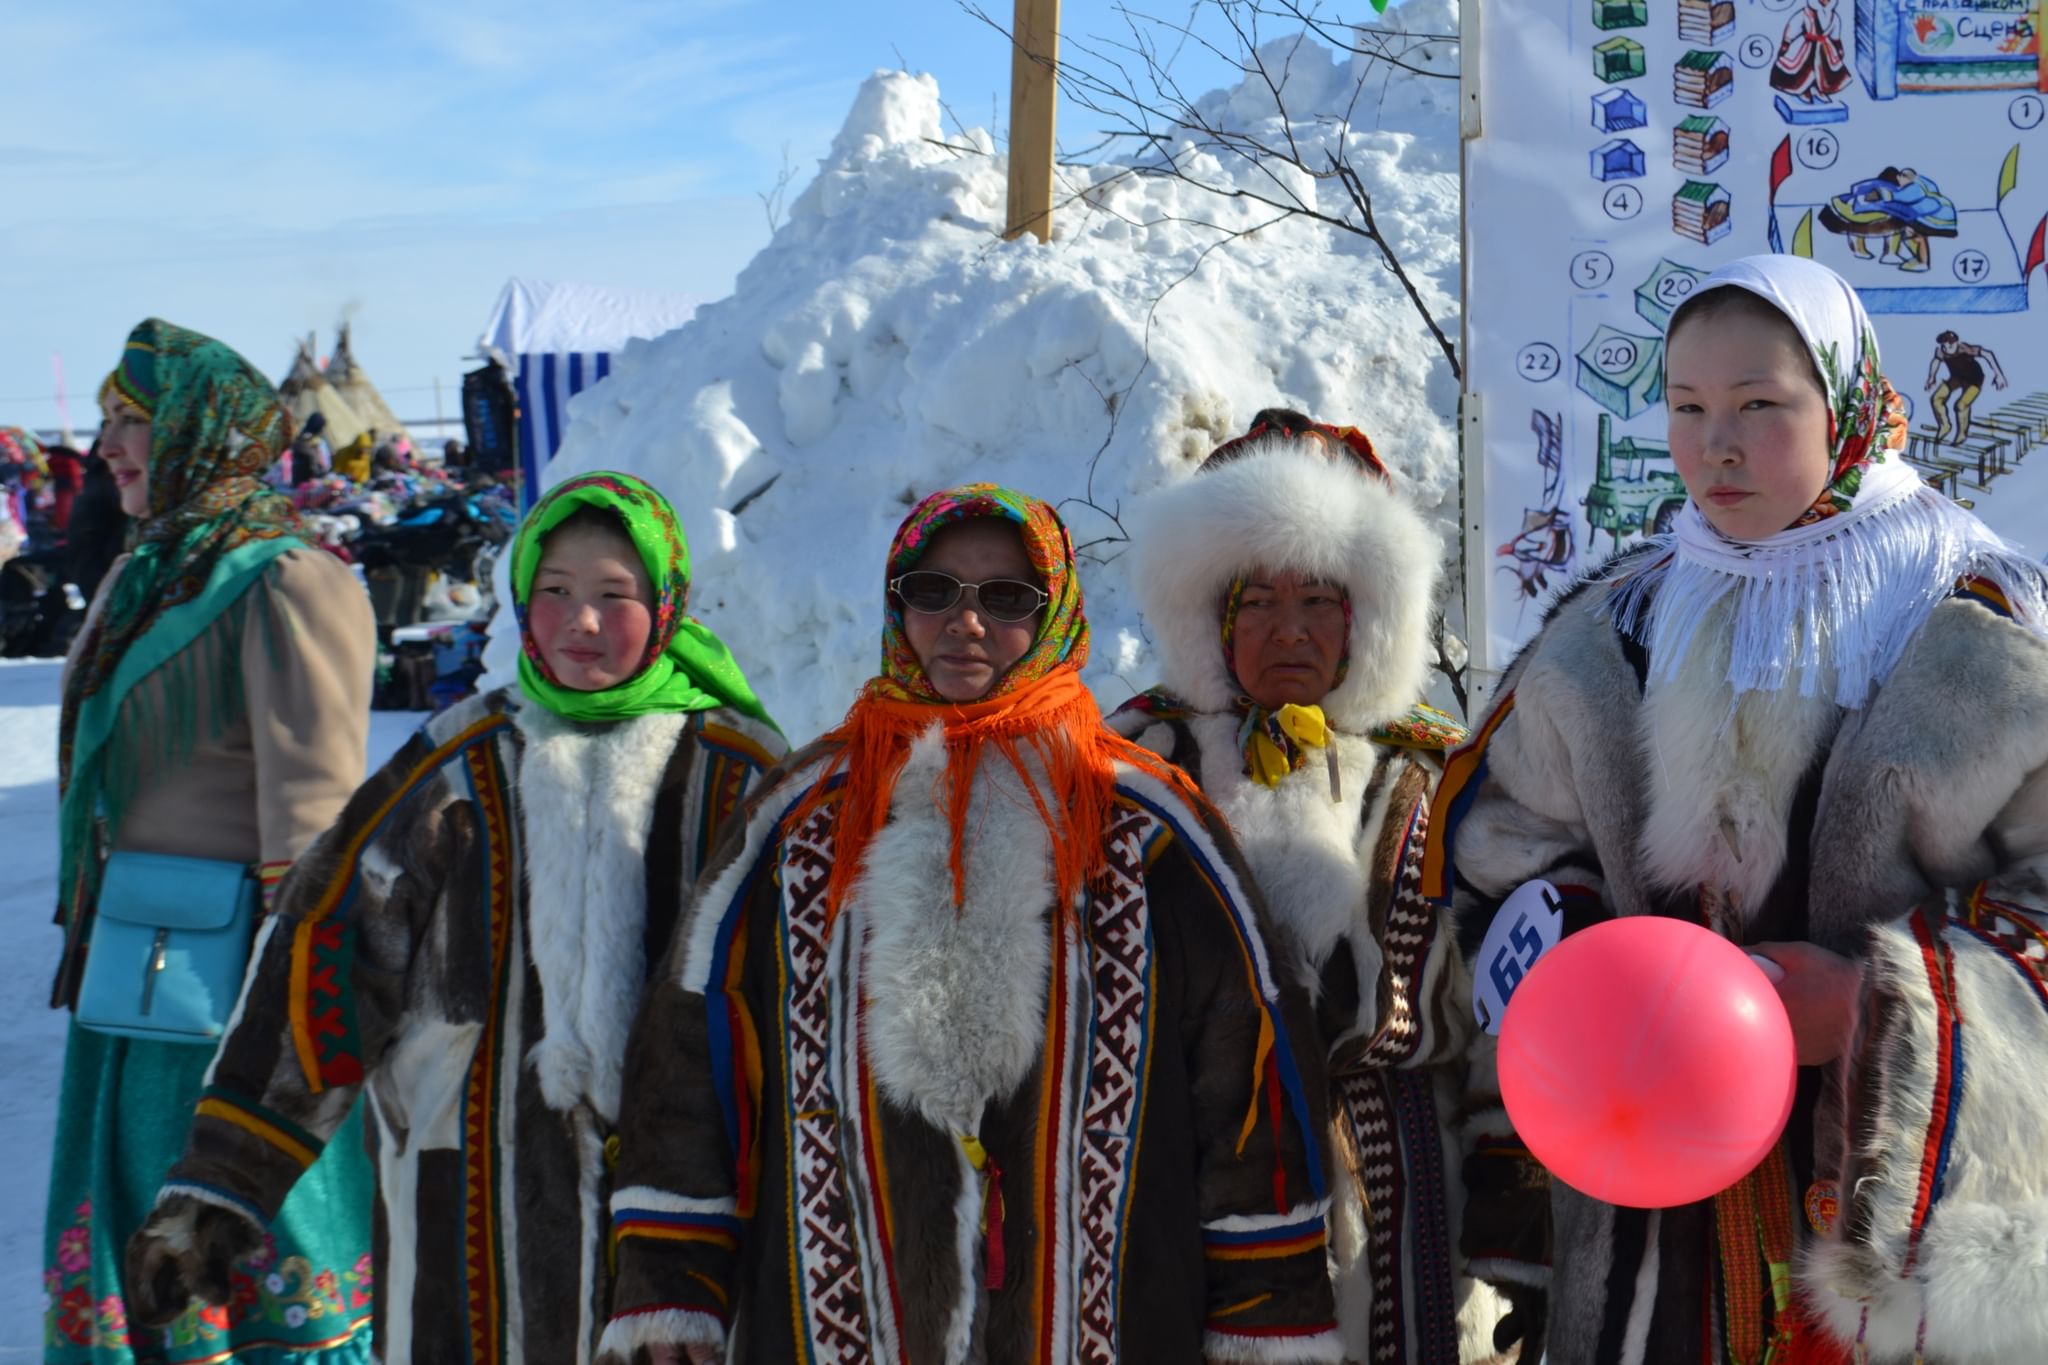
{"x": 560, "y": 339}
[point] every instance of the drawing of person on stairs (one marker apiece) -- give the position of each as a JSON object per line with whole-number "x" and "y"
{"x": 1965, "y": 379}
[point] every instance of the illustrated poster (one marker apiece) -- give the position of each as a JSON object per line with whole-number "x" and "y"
{"x": 1627, "y": 147}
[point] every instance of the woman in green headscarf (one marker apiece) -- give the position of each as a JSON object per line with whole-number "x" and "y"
{"x": 486, "y": 1012}
{"x": 215, "y": 707}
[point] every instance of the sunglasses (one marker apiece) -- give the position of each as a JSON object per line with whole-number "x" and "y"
{"x": 929, "y": 592}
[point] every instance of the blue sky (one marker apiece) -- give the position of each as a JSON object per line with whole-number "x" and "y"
{"x": 257, "y": 171}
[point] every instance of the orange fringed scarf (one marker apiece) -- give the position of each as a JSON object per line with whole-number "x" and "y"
{"x": 1054, "y": 719}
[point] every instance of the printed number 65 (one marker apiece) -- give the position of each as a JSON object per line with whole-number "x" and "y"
{"x": 1516, "y": 957}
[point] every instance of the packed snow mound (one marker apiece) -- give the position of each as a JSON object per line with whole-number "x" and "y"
{"x": 887, "y": 343}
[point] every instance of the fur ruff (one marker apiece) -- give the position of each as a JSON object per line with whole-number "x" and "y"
{"x": 625, "y": 1337}
{"x": 1724, "y": 772}
{"x": 956, "y": 997}
{"x": 1290, "y": 1350}
{"x": 1282, "y": 507}
{"x": 586, "y": 797}
{"x": 1310, "y": 856}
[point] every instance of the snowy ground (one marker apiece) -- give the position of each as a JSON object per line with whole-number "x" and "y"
{"x": 32, "y": 1036}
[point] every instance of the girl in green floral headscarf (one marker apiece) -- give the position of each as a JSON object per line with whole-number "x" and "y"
{"x": 215, "y": 707}
{"x": 522, "y": 861}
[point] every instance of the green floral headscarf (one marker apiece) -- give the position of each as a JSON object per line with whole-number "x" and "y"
{"x": 686, "y": 667}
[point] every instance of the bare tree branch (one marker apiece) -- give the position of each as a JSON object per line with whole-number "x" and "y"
{"x": 772, "y": 199}
{"x": 1126, "y": 83}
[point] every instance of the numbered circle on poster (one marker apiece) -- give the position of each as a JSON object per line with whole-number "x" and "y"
{"x": 1673, "y": 289}
{"x": 1756, "y": 51}
{"x": 1616, "y": 355}
{"x": 1591, "y": 269}
{"x": 1818, "y": 149}
{"x": 1972, "y": 266}
{"x": 1622, "y": 201}
{"x": 1538, "y": 362}
{"x": 2027, "y": 112}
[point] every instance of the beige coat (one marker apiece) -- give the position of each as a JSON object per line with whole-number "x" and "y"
{"x": 260, "y": 788}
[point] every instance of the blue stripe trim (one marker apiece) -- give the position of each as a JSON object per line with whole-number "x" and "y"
{"x": 1955, "y": 1103}
{"x": 575, "y": 373}
{"x": 733, "y": 751}
{"x": 1259, "y": 1236}
{"x": 1454, "y": 816}
{"x": 529, "y": 440}
{"x": 1283, "y": 1046}
{"x": 553, "y": 418}
{"x": 254, "y": 1214}
{"x": 2034, "y": 983}
{"x": 604, "y": 365}
{"x": 723, "y": 1222}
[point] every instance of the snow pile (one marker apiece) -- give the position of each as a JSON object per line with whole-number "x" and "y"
{"x": 887, "y": 343}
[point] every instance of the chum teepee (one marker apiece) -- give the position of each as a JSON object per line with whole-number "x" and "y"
{"x": 353, "y": 384}
{"x": 306, "y": 391}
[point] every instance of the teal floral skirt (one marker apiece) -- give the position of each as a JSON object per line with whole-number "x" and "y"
{"x": 302, "y": 1298}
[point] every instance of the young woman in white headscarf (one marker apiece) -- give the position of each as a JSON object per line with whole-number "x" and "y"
{"x": 1291, "y": 588}
{"x": 1815, "y": 718}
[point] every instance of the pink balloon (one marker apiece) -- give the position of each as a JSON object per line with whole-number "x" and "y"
{"x": 1648, "y": 1062}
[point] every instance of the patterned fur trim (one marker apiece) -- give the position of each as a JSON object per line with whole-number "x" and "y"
{"x": 625, "y": 1336}
{"x": 220, "y": 1199}
{"x": 661, "y": 1201}
{"x": 1278, "y": 1348}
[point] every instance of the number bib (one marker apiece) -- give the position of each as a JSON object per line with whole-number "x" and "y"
{"x": 1527, "y": 925}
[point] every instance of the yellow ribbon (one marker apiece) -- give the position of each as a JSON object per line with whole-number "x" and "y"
{"x": 1302, "y": 724}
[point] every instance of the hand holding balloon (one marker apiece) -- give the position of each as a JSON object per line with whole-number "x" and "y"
{"x": 1648, "y": 1062}
{"x": 1820, "y": 990}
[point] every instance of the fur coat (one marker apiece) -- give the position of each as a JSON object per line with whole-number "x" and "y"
{"x": 1911, "y": 834}
{"x": 1337, "y": 873}
{"x": 466, "y": 947}
{"x": 1002, "y": 1132}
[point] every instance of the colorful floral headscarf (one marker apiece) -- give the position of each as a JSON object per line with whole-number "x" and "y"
{"x": 1866, "y": 417}
{"x": 211, "y": 530}
{"x": 1063, "y": 629}
{"x": 686, "y": 667}
{"x": 216, "y": 426}
{"x": 1830, "y": 602}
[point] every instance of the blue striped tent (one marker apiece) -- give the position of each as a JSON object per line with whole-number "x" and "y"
{"x": 561, "y": 339}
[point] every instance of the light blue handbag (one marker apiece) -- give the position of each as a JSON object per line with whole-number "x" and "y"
{"x": 170, "y": 942}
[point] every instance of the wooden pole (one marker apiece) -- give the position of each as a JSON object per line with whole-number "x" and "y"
{"x": 1034, "y": 98}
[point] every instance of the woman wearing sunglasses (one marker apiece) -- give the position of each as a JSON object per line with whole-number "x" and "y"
{"x": 971, "y": 1048}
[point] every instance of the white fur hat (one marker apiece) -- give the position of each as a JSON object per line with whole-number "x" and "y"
{"x": 1285, "y": 503}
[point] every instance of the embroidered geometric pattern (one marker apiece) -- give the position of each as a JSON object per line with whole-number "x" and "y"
{"x": 480, "y": 1129}
{"x": 1120, "y": 939}
{"x": 323, "y": 1020}
{"x": 1363, "y": 1098}
{"x": 1411, "y": 928}
{"x": 831, "y": 1305}
{"x": 1429, "y": 1258}
{"x": 2012, "y": 933}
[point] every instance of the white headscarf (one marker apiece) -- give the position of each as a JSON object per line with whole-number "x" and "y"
{"x": 1843, "y": 589}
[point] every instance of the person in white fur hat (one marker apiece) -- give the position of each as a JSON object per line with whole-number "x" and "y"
{"x": 1291, "y": 589}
